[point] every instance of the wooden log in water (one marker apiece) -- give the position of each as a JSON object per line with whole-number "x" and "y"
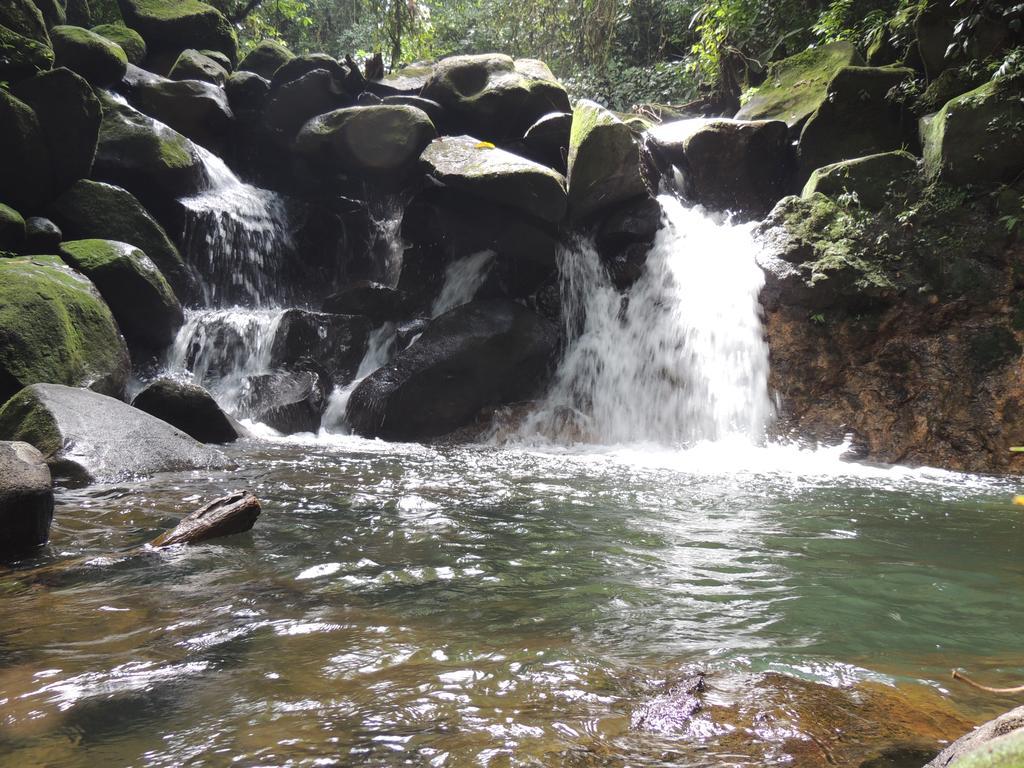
{"x": 228, "y": 515}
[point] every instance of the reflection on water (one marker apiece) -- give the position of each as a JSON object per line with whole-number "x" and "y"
{"x": 409, "y": 605}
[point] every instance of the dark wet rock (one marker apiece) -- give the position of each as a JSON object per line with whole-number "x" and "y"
{"x": 671, "y": 712}
{"x": 191, "y": 409}
{"x": 24, "y": 18}
{"x": 266, "y": 58}
{"x": 92, "y": 209}
{"x": 869, "y": 178}
{"x": 41, "y": 235}
{"x": 625, "y": 263}
{"x": 795, "y": 87}
{"x": 379, "y": 143}
{"x": 335, "y": 343}
{"x": 26, "y": 181}
{"x": 604, "y": 162}
{"x": 69, "y": 116}
{"x": 78, "y": 13}
{"x": 634, "y": 222}
{"x": 12, "y": 230}
{"x": 293, "y": 103}
{"x": 494, "y": 97}
{"x": 246, "y": 92}
{"x": 88, "y": 436}
{"x": 548, "y": 140}
{"x": 22, "y": 57}
{"x": 54, "y": 13}
{"x": 739, "y": 166}
{"x": 999, "y": 743}
{"x": 196, "y": 109}
{"x": 94, "y": 57}
{"x": 131, "y": 42}
{"x": 408, "y": 332}
{"x": 26, "y": 500}
{"x": 174, "y": 25}
{"x": 289, "y": 402}
{"x": 193, "y": 65}
{"x": 367, "y": 99}
{"x": 300, "y": 66}
{"x": 366, "y": 298}
{"x": 432, "y": 109}
{"x": 481, "y": 354}
{"x": 143, "y": 304}
{"x": 480, "y": 170}
{"x": 219, "y": 58}
{"x": 54, "y": 327}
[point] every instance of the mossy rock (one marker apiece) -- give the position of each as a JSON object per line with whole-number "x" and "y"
{"x": 91, "y": 209}
{"x": 69, "y": 115}
{"x": 246, "y": 92}
{"x": 21, "y": 57}
{"x": 55, "y": 327}
{"x": 947, "y": 86}
{"x": 604, "y": 161}
{"x": 484, "y": 172}
{"x": 1005, "y": 752}
{"x": 193, "y": 65}
{"x": 26, "y": 179}
{"x": 266, "y": 58}
{"x": 93, "y": 56}
{"x": 131, "y": 42}
{"x": 41, "y": 235}
{"x": 23, "y": 17}
{"x": 198, "y": 110}
{"x": 12, "y": 229}
{"x": 54, "y": 13}
{"x": 870, "y": 178}
{"x": 79, "y": 13}
{"x": 174, "y": 25}
{"x": 219, "y": 58}
{"x": 978, "y": 138}
{"x": 796, "y": 86}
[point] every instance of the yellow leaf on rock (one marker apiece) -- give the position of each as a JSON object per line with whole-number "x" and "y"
{"x": 1019, "y": 501}
{"x": 485, "y": 145}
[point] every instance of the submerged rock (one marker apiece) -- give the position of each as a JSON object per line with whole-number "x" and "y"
{"x": 174, "y": 25}
{"x": 54, "y": 327}
{"x": 266, "y": 58}
{"x": 93, "y": 56}
{"x": 26, "y": 500}
{"x": 191, "y": 409}
{"x": 88, "y": 436}
{"x": 131, "y": 42}
{"x": 288, "y": 401}
{"x": 481, "y": 354}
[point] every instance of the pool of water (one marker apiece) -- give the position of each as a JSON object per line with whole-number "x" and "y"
{"x": 448, "y": 606}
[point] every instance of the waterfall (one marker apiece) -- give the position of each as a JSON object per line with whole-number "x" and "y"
{"x": 680, "y": 358}
{"x": 462, "y": 279}
{"x": 379, "y": 350}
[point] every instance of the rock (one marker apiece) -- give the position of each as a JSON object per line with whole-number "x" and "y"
{"x": 139, "y": 297}
{"x": 856, "y": 119}
{"x": 407, "y": 81}
{"x": 733, "y": 165}
{"x": 869, "y": 178}
{"x": 144, "y": 156}
{"x": 289, "y": 402}
{"x": 196, "y": 109}
{"x": 25, "y": 182}
{"x": 174, "y": 25}
{"x": 192, "y": 65}
{"x": 41, "y": 235}
{"x": 54, "y": 327}
{"x": 795, "y": 87}
{"x": 367, "y": 99}
{"x": 493, "y": 97}
{"x": 26, "y": 500}
{"x": 69, "y": 115}
{"x": 433, "y": 110}
{"x": 947, "y": 86}
{"x": 191, "y": 409}
{"x": 999, "y": 743}
{"x": 334, "y": 343}
{"x": 23, "y": 18}
{"x": 635, "y": 222}
{"x": 604, "y": 161}
{"x": 934, "y": 31}
{"x": 131, "y": 42}
{"x": 93, "y": 438}
{"x": 79, "y": 14}
{"x": 547, "y": 140}
{"x": 219, "y": 58}
{"x": 978, "y": 138}
{"x": 12, "y": 230}
{"x": 481, "y": 354}
{"x": 480, "y": 170}
{"x": 672, "y": 711}
{"x": 95, "y": 58}
{"x": 291, "y": 105}
{"x": 22, "y": 57}
{"x": 378, "y": 143}
{"x": 266, "y": 58}
{"x": 374, "y": 301}
{"x": 299, "y": 66}
{"x": 246, "y": 92}
{"x": 53, "y": 12}
{"x": 91, "y": 209}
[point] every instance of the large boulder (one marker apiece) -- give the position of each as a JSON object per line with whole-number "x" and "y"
{"x": 493, "y": 96}
{"x": 26, "y": 181}
{"x": 79, "y": 13}
{"x": 41, "y": 235}
{"x": 193, "y": 65}
{"x": 377, "y": 302}
{"x": 481, "y": 354}
{"x": 190, "y": 408}
{"x": 196, "y": 109}
{"x": 54, "y": 13}
{"x": 21, "y": 56}
{"x": 23, "y": 18}
{"x": 735, "y": 165}
{"x": 978, "y": 138}
{"x": 293, "y": 103}
{"x": 795, "y": 87}
{"x": 604, "y": 161}
{"x": 288, "y": 401}
{"x": 69, "y": 115}
{"x": 246, "y": 92}
{"x": 93, "y": 56}
{"x": 999, "y": 743}
{"x": 334, "y": 343}
{"x": 870, "y": 178}
{"x": 299, "y": 66}
{"x": 935, "y": 32}
{"x": 145, "y": 156}
{"x": 479, "y": 169}
{"x": 54, "y": 327}
{"x": 174, "y": 25}
{"x": 92, "y": 209}
{"x": 139, "y": 297}
{"x": 26, "y": 500}
{"x": 407, "y": 81}
{"x": 90, "y": 437}
{"x": 266, "y": 58}
{"x": 131, "y": 42}
{"x": 378, "y": 143}
{"x": 857, "y": 119}
{"x": 547, "y": 140}
{"x": 12, "y": 230}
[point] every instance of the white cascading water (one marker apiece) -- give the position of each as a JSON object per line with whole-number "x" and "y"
{"x": 380, "y": 347}
{"x": 462, "y": 279}
{"x": 681, "y": 358}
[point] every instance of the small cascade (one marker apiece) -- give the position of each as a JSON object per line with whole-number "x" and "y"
{"x": 387, "y": 245}
{"x": 462, "y": 279}
{"x": 681, "y": 358}
{"x": 379, "y": 350}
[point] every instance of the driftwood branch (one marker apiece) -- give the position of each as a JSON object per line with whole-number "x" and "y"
{"x": 234, "y": 513}
{"x": 957, "y": 675}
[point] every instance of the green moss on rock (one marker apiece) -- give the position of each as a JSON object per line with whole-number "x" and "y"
{"x": 266, "y": 58}
{"x": 21, "y": 57}
{"x": 131, "y": 42}
{"x": 869, "y": 178}
{"x": 193, "y": 65}
{"x": 174, "y": 25}
{"x": 23, "y": 17}
{"x": 94, "y": 57}
{"x": 12, "y": 229}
